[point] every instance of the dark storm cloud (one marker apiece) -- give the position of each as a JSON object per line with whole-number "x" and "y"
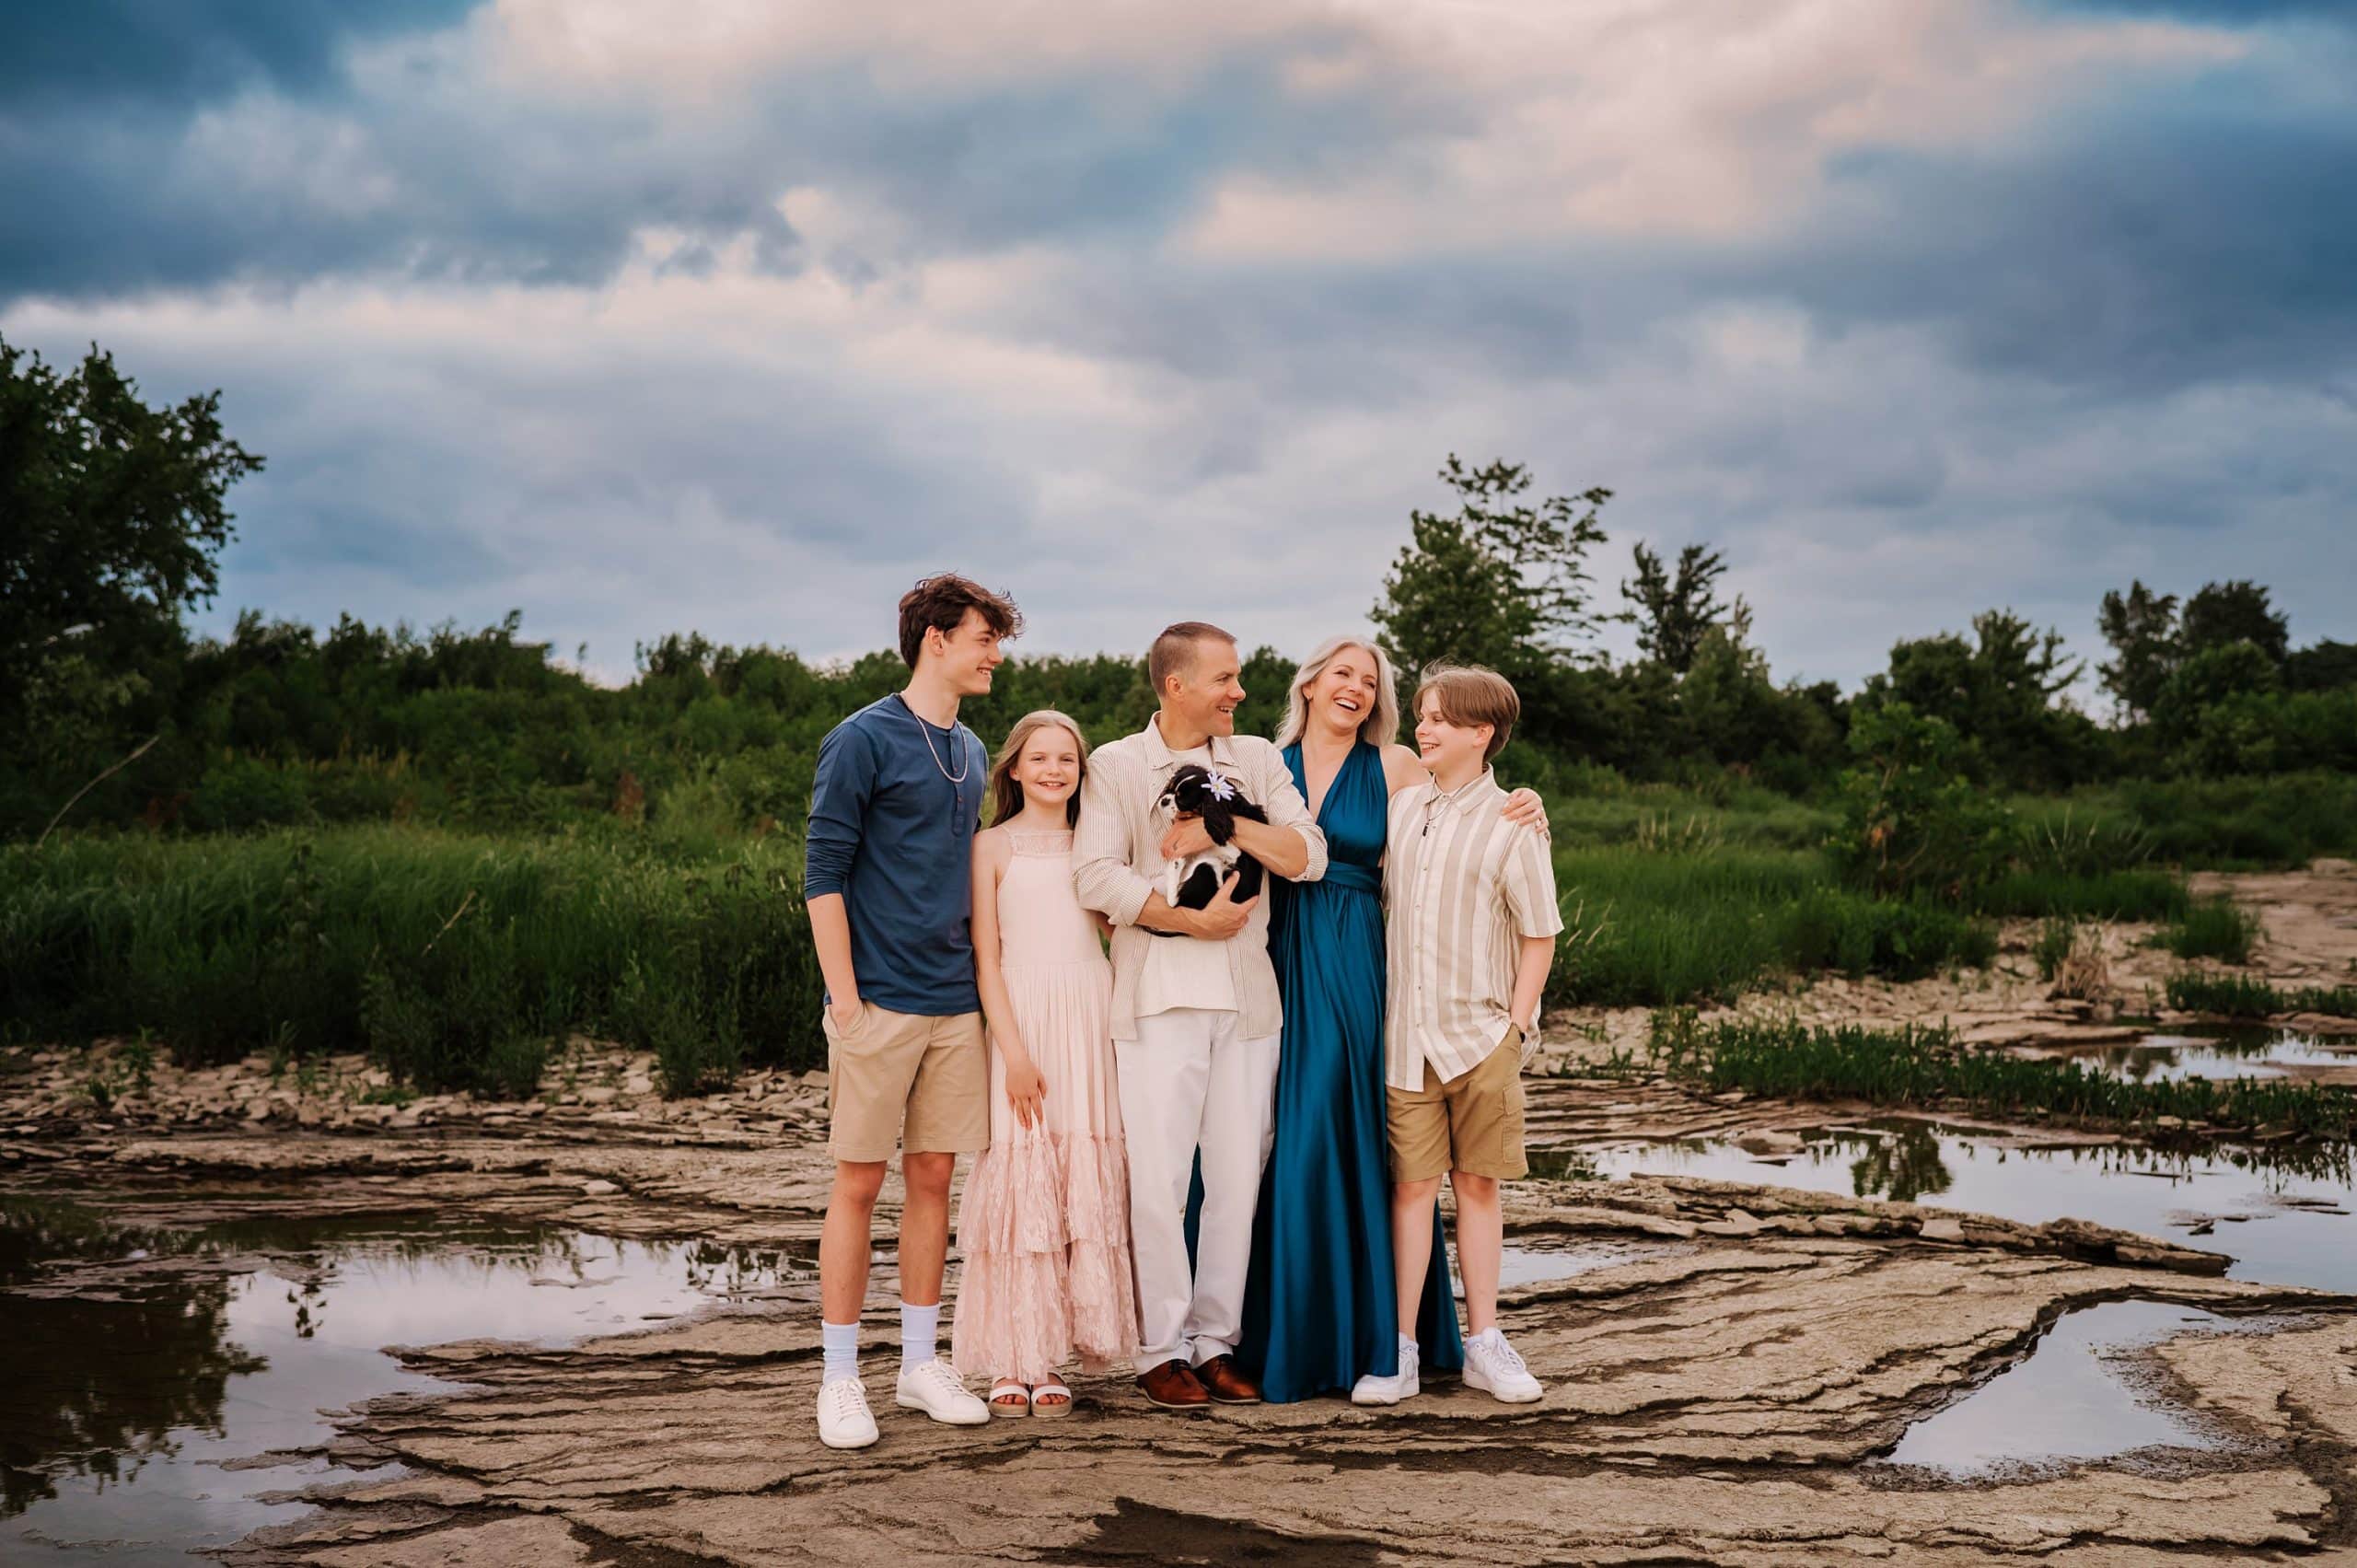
{"x": 153, "y": 58}
{"x": 2096, "y": 344}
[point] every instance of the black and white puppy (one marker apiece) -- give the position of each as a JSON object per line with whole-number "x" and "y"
{"x": 1190, "y": 882}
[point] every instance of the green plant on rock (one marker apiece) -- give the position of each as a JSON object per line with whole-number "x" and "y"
{"x": 2213, "y": 928}
{"x": 1911, "y": 822}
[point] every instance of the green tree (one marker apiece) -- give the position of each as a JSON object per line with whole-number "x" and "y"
{"x": 2141, "y": 627}
{"x": 1502, "y": 583}
{"x": 1674, "y": 611}
{"x": 112, "y": 516}
{"x": 1998, "y": 692}
{"x": 2322, "y": 665}
{"x": 1911, "y": 822}
{"x": 2236, "y": 611}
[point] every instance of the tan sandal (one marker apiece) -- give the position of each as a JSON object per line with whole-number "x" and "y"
{"x": 1010, "y": 1398}
{"x": 1052, "y": 1390}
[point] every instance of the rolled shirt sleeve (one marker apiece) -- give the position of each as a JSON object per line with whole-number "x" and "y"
{"x": 839, "y": 796}
{"x": 1100, "y": 853}
{"x": 1528, "y": 881}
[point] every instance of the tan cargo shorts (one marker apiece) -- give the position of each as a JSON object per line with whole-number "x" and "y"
{"x": 919, "y": 1082}
{"x": 1471, "y": 1123}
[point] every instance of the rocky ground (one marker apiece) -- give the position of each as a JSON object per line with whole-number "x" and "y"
{"x": 1723, "y": 1369}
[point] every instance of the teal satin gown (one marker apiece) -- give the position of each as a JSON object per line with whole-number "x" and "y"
{"x": 1319, "y": 1302}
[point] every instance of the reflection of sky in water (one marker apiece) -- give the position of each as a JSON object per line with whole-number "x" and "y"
{"x": 2066, "y": 1401}
{"x": 2279, "y": 1226}
{"x": 2171, "y": 1057}
{"x": 318, "y": 1321}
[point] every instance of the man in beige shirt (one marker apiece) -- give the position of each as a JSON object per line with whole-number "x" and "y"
{"x": 1196, "y": 1014}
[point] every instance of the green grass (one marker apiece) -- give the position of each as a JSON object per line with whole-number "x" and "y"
{"x": 1927, "y": 1068}
{"x": 457, "y": 961}
{"x": 2240, "y": 996}
{"x": 2213, "y": 928}
{"x": 1646, "y": 927}
{"x": 2056, "y": 938}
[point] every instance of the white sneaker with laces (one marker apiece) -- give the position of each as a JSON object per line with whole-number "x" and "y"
{"x": 936, "y": 1389}
{"x": 1497, "y": 1369}
{"x": 1371, "y": 1390}
{"x": 844, "y": 1420}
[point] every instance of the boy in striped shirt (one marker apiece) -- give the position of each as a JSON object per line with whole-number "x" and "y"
{"x": 1471, "y": 924}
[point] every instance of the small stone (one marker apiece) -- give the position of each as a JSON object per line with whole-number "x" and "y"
{"x": 595, "y": 1189}
{"x": 1947, "y": 1227}
{"x": 602, "y": 1095}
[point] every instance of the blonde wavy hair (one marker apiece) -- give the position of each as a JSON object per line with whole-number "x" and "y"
{"x": 1007, "y": 793}
{"x": 1379, "y": 727}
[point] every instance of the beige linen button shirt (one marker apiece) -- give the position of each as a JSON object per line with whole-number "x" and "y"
{"x": 1461, "y": 887}
{"x": 1117, "y": 861}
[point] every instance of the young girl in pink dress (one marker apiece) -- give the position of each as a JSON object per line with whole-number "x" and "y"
{"x": 1045, "y": 1224}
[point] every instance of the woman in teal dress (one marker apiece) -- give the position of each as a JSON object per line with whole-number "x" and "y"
{"x": 1320, "y": 1304}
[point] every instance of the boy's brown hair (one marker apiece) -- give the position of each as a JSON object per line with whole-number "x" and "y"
{"x": 1471, "y": 694}
{"x": 940, "y": 603}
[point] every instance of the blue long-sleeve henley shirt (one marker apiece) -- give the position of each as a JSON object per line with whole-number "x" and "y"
{"x": 894, "y": 834}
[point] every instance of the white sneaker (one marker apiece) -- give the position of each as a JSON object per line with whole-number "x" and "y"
{"x": 936, "y": 1389}
{"x": 1494, "y": 1367}
{"x": 844, "y": 1420}
{"x": 1371, "y": 1390}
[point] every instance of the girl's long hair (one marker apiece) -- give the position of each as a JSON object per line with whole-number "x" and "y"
{"x": 1006, "y": 795}
{"x": 1379, "y": 727}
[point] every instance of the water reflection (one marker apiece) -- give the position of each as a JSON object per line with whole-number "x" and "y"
{"x": 2219, "y": 1055}
{"x": 2281, "y": 1210}
{"x": 2068, "y": 1401}
{"x": 143, "y": 1359}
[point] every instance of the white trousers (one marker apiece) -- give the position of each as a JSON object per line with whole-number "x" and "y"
{"x": 1188, "y": 1083}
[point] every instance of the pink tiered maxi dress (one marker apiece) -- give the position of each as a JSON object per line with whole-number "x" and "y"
{"x": 1045, "y": 1221}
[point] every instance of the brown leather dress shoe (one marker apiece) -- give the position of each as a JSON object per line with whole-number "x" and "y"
{"x": 1224, "y": 1381}
{"x": 1174, "y": 1386}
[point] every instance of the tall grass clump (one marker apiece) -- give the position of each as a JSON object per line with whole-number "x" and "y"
{"x": 2241, "y": 996}
{"x": 1927, "y": 1067}
{"x": 2213, "y": 928}
{"x": 1653, "y": 926}
{"x": 457, "y": 961}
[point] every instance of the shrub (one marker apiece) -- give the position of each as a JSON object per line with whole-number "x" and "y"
{"x": 1927, "y": 1067}
{"x": 1911, "y": 822}
{"x": 2056, "y": 938}
{"x": 2213, "y": 928}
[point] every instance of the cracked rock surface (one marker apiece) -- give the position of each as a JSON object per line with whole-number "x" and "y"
{"x": 1725, "y": 1365}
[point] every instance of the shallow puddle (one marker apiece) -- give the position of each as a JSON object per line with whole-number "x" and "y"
{"x": 1543, "y": 1265}
{"x": 2071, "y": 1402}
{"x": 142, "y": 1360}
{"x": 2218, "y": 1055}
{"x": 2286, "y": 1222}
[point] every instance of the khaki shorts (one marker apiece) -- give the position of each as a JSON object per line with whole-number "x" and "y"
{"x": 1471, "y": 1123}
{"x": 923, "y": 1083}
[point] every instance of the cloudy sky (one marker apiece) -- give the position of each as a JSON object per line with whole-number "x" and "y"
{"x": 736, "y": 316}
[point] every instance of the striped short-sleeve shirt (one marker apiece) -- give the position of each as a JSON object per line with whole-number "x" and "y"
{"x": 1462, "y": 886}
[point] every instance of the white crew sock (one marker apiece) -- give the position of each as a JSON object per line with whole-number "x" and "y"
{"x": 1489, "y": 1335}
{"x": 839, "y": 1343}
{"x": 1409, "y": 1356}
{"x": 920, "y": 1327}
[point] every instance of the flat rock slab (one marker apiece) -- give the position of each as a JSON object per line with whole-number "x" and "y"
{"x": 1716, "y": 1393}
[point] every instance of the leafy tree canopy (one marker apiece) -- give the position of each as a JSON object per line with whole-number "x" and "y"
{"x": 1502, "y": 583}
{"x": 1674, "y": 611}
{"x": 2238, "y": 611}
{"x": 112, "y": 516}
